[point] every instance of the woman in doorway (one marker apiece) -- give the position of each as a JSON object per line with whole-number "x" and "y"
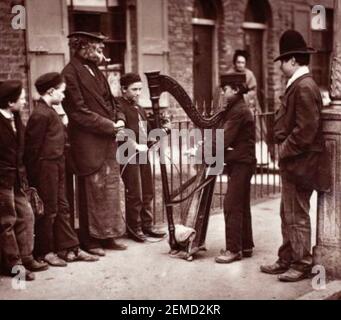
{"x": 240, "y": 59}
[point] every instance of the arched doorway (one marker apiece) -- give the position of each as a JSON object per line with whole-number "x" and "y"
{"x": 204, "y": 25}
{"x": 258, "y": 20}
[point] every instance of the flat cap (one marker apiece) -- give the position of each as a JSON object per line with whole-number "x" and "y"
{"x": 129, "y": 78}
{"x": 48, "y": 81}
{"x": 10, "y": 90}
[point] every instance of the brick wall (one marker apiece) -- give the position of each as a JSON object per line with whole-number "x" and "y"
{"x": 231, "y": 15}
{"x": 180, "y": 39}
{"x": 180, "y": 42}
{"x": 12, "y": 46}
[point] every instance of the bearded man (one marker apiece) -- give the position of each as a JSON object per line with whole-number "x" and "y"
{"x": 94, "y": 120}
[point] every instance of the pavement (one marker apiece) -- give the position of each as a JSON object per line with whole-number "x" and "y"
{"x": 145, "y": 271}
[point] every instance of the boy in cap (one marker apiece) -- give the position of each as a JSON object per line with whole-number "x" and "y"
{"x": 94, "y": 119}
{"x": 240, "y": 160}
{"x": 137, "y": 177}
{"x": 298, "y": 132}
{"x": 45, "y": 161}
{"x": 16, "y": 215}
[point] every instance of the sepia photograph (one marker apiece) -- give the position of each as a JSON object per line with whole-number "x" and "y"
{"x": 181, "y": 153}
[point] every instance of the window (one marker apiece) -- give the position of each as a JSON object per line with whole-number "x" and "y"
{"x": 105, "y": 16}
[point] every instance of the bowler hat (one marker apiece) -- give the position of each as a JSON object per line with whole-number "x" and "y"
{"x": 90, "y": 35}
{"x": 292, "y": 42}
{"x": 232, "y": 79}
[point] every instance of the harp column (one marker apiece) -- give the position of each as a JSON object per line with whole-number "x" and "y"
{"x": 327, "y": 252}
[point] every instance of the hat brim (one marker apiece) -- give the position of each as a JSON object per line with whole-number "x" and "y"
{"x": 88, "y": 35}
{"x": 307, "y": 51}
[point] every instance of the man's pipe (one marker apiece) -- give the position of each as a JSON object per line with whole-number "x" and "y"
{"x": 105, "y": 59}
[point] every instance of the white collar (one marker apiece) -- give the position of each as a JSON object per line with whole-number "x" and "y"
{"x": 7, "y": 114}
{"x": 301, "y": 71}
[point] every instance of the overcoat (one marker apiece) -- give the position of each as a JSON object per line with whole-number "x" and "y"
{"x": 91, "y": 111}
{"x": 303, "y": 157}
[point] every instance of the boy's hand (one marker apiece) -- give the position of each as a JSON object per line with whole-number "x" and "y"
{"x": 119, "y": 124}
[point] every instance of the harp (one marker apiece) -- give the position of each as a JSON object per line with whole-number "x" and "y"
{"x": 201, "y": 187}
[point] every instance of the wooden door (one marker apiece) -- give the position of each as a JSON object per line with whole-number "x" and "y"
{"x": 152, "y": 42}
{"x": 254, "y": 46}
{"x": 47, "y": 28}
{"x": 203, "y": 66}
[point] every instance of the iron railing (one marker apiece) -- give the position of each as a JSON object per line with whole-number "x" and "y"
{"x": 265, "y": 182}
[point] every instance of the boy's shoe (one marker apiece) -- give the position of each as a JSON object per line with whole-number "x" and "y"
{"x": 247, "y": 253}
{"x": 53, "y": 260}
{"x": 96, "y": 251}
{"x": 76, "y": 255}
{"x": 228, "y": 257}
{"x": 29, "y": 275}
{"x": 80, "y": 255}
{"x": 154, "y": 233}
{"x": 112, "y": 244}
{"x": 137, "y": 236}
{"x": 35, "y": 266}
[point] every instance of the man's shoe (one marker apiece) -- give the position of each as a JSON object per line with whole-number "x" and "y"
{"x": 53, "y": 260}
{"x": 35, "y": 266}
{"x": 293, "y": 275}
{"x": 97, "y": 252}
{"x": 247, "y": 253}
{"x": 137, "y": 236}
{"x": 228, "y": 257}
{"x": 153, "y": 233}
{"x": 114, "y": 245}
{"x": 275, "y": 268}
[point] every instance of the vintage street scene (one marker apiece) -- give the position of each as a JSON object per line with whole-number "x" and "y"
{"x": 177, "y": 150}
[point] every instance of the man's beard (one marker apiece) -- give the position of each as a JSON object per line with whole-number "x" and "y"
{"x": 90, "y": 53}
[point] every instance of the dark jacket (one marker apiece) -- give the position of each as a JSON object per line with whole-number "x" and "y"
{"x": 298, "y": 131}
{"x": 12, "y": 170}
{"x": 91, "y": 111}
{"x": 132, "y": 112}
{"x": 44, "y": 138}
{"x": 239, "y": 134}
